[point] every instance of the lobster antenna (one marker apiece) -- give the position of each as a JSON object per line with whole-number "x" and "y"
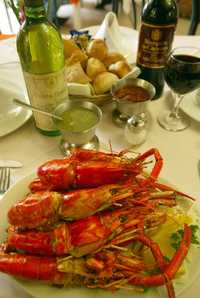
{"x": 110, "y": 145}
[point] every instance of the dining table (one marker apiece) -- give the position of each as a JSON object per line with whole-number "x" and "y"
{"x": 180, "y": 150}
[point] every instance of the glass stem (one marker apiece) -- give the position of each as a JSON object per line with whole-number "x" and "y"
{"x": 175, "y": 111}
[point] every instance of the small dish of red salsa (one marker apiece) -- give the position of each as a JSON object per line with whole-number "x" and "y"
{"x": 132, "y": 93}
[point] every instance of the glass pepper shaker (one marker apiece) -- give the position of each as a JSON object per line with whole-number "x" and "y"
{"x": 136, "y": 129}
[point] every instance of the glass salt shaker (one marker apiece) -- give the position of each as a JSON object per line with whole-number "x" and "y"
{"x": 136, "y": 129}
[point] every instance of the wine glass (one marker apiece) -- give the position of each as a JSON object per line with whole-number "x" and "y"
{"x": 182, "y": 74}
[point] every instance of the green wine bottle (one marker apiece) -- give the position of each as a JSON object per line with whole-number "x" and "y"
{"x": 159, "y": 19}
{"x": 41, "y": 52}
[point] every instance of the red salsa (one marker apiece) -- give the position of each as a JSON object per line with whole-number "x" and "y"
{"x": 132, "y": 93}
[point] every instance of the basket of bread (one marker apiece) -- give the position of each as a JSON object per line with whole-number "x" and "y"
{"x": 91, "y": 68}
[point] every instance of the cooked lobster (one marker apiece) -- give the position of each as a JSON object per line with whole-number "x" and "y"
{"x": 85, "y": 168}
{"x": 95, "y": 246}
{"x": 45, "y": 208}
{"x": 108, "y": 269}
{"x": 85, "y": 235}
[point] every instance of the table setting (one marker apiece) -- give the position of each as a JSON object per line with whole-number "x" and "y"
{"x": 23, "y": 149}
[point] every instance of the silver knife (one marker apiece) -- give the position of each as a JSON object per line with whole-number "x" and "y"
{"x": 10, "y": 164}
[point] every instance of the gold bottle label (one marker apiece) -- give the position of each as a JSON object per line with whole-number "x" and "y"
{"x": 155, "y": 42}
{"x": 46, "y": 91}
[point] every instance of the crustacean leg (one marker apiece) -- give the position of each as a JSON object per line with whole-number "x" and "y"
{"x": 171, "y": 268}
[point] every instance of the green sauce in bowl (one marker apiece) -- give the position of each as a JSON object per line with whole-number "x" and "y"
{"x": 77, "y": 119}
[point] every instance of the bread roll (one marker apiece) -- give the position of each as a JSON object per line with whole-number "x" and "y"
{"x": 104, "y": 81}
{"x": 69, "y": 47}
{"x": 94, "y": 67}
{"x": 77, "y": 56}
{"x": 97, "y": 49}
{"x": 113, "y": 57}
{"x": 120, "y": 68}
{"x": 76, "y": 74}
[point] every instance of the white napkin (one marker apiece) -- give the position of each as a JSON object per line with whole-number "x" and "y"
{"x": 110, "y": 31}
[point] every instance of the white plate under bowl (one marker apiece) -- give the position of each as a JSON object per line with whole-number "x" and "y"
{"x": 11, "y": 116}
{"x": 41, "y": 290}
{"x": 191, "y": 105}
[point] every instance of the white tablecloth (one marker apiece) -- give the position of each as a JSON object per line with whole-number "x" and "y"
{"x": 181, "y": 152}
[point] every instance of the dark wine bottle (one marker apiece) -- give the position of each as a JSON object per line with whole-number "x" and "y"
{"x": 158, "y": 24}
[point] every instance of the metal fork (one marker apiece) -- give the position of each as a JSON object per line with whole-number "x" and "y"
{"x": 4, "y": 179}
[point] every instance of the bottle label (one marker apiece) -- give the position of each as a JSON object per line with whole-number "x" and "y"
{"x": 45, "y": 92}
{"x": 154, "y": 45}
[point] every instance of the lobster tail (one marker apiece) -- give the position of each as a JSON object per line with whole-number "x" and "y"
{"x": 31, "y": 267}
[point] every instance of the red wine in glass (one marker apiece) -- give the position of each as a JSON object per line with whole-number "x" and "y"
{"x": 182, "y": 75}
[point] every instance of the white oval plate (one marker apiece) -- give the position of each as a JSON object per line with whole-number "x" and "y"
{"x": 8, "y": 51}
{"x": 40, "y": 290}
{"x": 11, "y": 86}
{"x": 190, "y": 106}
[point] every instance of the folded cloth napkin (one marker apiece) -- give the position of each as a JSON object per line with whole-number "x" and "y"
{"x": 110, "y": 31}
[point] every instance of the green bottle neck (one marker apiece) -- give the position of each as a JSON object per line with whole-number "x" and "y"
{"x": 35, "y": 14}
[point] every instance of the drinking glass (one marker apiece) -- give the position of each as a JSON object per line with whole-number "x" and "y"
{"x": 182, "y": 74}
